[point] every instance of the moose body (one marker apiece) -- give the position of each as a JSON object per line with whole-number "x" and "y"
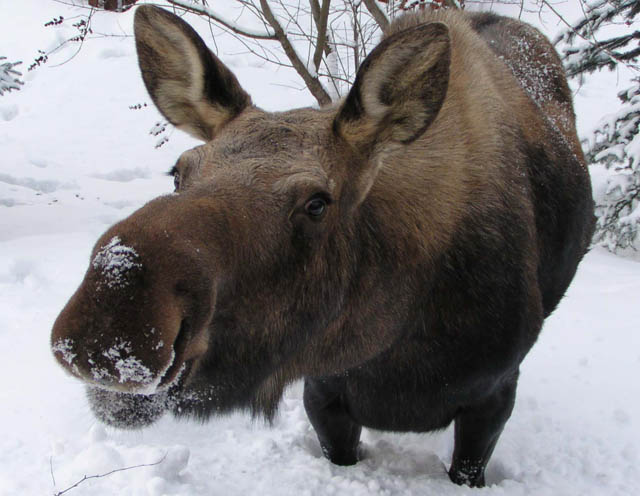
{"x": 398, "y": 251}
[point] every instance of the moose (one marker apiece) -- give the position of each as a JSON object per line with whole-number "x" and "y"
{"x": 398, "y": 250}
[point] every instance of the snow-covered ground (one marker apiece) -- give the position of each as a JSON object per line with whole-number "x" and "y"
{"x": 74, "y": 158}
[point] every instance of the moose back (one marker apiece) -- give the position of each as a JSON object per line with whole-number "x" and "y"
{"x": 399, "y": 250}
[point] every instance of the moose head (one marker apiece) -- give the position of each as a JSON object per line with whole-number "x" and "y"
{"x": 246, "y": 277}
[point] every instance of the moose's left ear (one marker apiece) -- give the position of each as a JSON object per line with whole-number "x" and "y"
{"x": 398, "y": 91}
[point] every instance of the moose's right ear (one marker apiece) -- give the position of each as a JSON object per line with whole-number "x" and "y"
{"x": 398, "y": 92}
{"x": 190, "y": 86}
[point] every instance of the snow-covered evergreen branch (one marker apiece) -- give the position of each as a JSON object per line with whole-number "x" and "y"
{"x": 616, "y": 145}
{"x": 9, "y": 77}
{"x": 583, "y": 52}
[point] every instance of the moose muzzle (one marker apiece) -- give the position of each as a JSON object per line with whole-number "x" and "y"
{"x": 140, "y": 313}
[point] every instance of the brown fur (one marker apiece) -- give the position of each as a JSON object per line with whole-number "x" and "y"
{"x": 456, "y": 209}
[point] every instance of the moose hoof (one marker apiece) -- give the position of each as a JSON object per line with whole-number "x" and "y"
{"x": 465, "y": 478}
{"x": 342, "y": 457}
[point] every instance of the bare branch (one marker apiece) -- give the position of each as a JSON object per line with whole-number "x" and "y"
{"x": 53, "y": 479}
{"x": 355, "y": 25}
{"x": 377, "y": 14}
{"x": 312, "y": 81}
{"x": 321, "y": 24}
{"x": 206, "y": 11}
{"x": 315, "y": 10}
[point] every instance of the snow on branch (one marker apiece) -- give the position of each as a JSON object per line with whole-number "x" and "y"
{"x": 9, "y": 79}
{"x": 616, "y": 146}
{"x": 581, "y": 48}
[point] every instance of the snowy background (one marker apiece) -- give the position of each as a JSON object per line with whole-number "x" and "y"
{"x": 74, "y": 158}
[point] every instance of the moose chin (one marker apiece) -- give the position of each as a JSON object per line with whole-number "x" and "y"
{"x": 399, "y": 250}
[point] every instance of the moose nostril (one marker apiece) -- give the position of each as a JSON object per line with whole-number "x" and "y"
{"x": 181, "y": 288}
{"x": 180, "y": 342}
{"x": 179, "y": 347}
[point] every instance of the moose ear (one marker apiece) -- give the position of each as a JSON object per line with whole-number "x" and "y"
{"x": 398, "y": 92}
{"x": 189, "y": 85}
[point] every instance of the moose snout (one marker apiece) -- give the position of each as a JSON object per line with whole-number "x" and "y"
{"x": 129, "y": 327}
{"x": 104, "y": 351}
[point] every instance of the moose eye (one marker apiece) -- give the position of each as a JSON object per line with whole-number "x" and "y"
{"x": 316, "y": 207}
{"x": 176, "y": 180}
{"x": 176, "y": 177}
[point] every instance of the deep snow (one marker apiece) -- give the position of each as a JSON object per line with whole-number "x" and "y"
{"x": 74, "y": 159}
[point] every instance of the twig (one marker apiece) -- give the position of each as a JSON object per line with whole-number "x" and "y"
{"x": 98, "y": 476}
{"x": 321, "y": 22}
{"x": 53, "y": 478}
{"x": 314, "y": 85}
{"x": 204, "y": 10}
{"x": 377, "y": 14}
{"x": 81, "y": 38}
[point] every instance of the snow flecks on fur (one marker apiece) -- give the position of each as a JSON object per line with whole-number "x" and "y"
{"x": 125, "y": 410}
{"x": 114, "y": 261}
{"x": 534, "y": 74}
{"x": 130, "y": 368}
{"x": 100, "y": 373}
{"x": 64, "y": 347}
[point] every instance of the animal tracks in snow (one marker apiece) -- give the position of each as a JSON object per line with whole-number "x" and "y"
{"x": 124, "y": 175}
{"x": 8, "y": 112}
{"x": 40, "y": 185}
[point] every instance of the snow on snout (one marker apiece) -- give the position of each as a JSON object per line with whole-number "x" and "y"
{"x": 114, "y": 261}
{"x": 64, "y": 348}
{"x": 129, "y": 368}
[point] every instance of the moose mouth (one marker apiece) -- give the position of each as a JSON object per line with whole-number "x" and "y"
{"x": 136, "y": 410}
{"x": 133, "y": 410}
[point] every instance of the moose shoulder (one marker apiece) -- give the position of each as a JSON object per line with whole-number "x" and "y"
{"x": 398, "y": 251}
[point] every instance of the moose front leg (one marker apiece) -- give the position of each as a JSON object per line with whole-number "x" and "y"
{"x": 477, "y": 429}
{"x": 338, "y": 434}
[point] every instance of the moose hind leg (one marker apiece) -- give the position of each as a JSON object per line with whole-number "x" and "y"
{"x": 477, "y": 429}
{"x": 338, "y": 434}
